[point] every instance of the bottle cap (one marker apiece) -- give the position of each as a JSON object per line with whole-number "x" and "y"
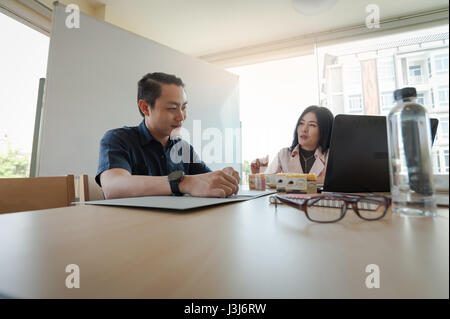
{"x": 405, "y": 93}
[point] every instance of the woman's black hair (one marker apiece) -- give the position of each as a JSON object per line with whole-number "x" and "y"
{"x": 325, "y": 121}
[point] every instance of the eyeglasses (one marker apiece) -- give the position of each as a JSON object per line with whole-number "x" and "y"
{"x": 330, "y": 208}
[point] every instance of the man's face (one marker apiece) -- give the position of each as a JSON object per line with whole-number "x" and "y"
{"x": 169, "y": 111}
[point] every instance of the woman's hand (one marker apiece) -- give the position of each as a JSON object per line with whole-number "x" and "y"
{"x": 259, "y": 163}
{"x": 320, "y": 179}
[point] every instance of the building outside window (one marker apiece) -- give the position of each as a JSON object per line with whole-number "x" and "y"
{"x": 441, "y": 64}
{"x": 399, "y": 62}
{"x": 443, "y": 123}
{"x": 415, "y": 74}
{"x": 436, "y": 162}
{"x": 443, "y": 95}
{"x": 385, "y": 69}
{"x": 352, "y": 76}
{"x": 430, "y": 71}
{"x": 355, "y": 105}
{"x": 433, "y": 105}
{"x": 421, "y": 98}
{"x": 441, "y": 161}
{"x": 415, "y": 70}
{"x": 386, "y": 102}
{"x": 446, "y": 160}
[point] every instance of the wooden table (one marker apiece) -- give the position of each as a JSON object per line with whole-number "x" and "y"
{"x": 238, "y": 250}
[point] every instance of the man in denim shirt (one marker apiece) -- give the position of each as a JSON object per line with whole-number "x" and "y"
{"x": 146, "y": 160}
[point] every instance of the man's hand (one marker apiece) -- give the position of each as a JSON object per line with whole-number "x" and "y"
{"x": 232, "y": 172}
{"x": 213, "y": 184}
{"x": 256, "y": 164}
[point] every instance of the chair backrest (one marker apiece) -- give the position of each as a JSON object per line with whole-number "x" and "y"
{"x": 23, "y": 194}
{"x": 88, "y": 189}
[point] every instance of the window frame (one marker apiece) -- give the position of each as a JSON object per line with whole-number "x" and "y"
{"x": 441, "y": 58}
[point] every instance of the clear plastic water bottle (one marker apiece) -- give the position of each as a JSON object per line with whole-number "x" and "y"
{"x": 411, "y": 168}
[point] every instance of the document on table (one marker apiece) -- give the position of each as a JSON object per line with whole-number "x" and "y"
{"x": 181, "y": 202}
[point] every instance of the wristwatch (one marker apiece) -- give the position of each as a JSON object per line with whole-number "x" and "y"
{"x": 174, "y": 179}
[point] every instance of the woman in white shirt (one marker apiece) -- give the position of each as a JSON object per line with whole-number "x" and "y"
{"x": 308, "y": 152}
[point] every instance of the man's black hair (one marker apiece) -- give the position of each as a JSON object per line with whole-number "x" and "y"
{"x": 149, "y": 87}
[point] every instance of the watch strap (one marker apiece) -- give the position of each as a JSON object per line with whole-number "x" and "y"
{"x": 174, "y": 185}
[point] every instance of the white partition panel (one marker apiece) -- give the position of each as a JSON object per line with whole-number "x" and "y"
{"x": 91, "y": 87}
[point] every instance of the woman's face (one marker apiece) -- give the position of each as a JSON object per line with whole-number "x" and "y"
{"x": 308, "y": 132}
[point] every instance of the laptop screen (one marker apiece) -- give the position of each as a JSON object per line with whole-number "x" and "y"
{"x": 358, "y": 155}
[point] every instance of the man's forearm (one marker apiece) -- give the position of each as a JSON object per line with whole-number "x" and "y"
{"x": 118, "y": 183}
{"x": 137, "y": 185}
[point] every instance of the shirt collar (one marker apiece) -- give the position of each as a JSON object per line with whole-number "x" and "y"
{"x": 146, "y": 137}
{"x": 317, "y": 153}
{"x": 295, "y": 151}
{"x": 144, "y": 134}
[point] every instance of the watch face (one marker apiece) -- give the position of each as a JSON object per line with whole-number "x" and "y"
{"x": 176, "y": 175}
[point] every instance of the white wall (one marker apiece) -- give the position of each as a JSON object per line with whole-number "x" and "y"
{"x": 92, "y": 86}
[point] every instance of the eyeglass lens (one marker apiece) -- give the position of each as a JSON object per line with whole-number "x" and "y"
{"x": 329, "y": 210}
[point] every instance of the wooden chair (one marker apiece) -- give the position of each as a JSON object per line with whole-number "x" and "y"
{"x": 23, "y": 194}
{"x": 88, "y": 189}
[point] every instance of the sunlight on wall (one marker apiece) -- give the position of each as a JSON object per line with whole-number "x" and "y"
{"x": 272, "y": 97}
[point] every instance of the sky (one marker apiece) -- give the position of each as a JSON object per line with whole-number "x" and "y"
{"x": 23, "y": 60}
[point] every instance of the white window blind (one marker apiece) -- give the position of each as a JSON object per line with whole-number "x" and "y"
{"x": 306, "y": 44}
{"x": 32, "y": 13}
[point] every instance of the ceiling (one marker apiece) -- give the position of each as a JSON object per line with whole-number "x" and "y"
{"x": 205, "y": 27}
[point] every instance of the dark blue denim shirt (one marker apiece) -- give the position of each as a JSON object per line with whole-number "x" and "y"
{"x": 135, "y": 149}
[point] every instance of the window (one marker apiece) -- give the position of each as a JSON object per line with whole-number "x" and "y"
{"x": 386, "y": 102}
{"x": 355, "y": 103}
{"x": 443, "y": 95}
{"x": 386, "y": 71}
{"x": 437, "y": 162}
{"x": 273, "y": 94}
{"x": 441, "y": 160}
{"x": 446, "y": 160}
{"x": 333, "y": 77}
{"x": 443, "y": 123}
{"x": 335, "y": 80}
{"x": 430, "y": 72}
{"x": 415, "y": 70}
{"x": 352, "y": 76}
{"x": 421, "y": 99}
{"x": 20, "y": 71}
{"x": 441, "y": 64}
{"x": 433, "y": 105}
{"x": 397, "y": 65}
